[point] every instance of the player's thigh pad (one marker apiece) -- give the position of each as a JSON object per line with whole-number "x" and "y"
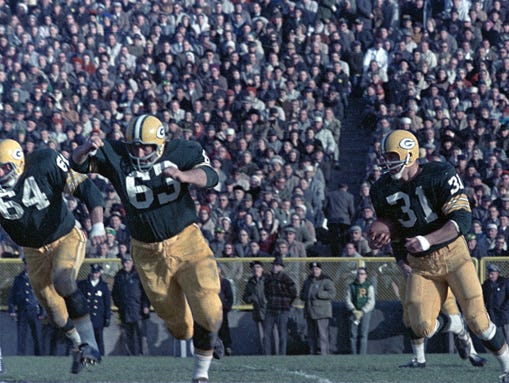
{"x": 424, "y": 300}
{"x": 68, "y": 255}
{"x": 199, "y": 279}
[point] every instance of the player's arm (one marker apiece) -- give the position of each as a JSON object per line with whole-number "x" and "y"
{"x": 81, "y": 159}
{"x": 82, "y": 187}
{"x": 455, "y": 207}
{"x": 199, "y": 174}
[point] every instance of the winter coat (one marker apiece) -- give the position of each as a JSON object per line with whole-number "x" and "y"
{"x": 317, "y": 295}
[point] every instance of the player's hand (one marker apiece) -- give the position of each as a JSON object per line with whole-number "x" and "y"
{"x": 417, "y": 244}
{"x": 98, "y": 233}
{"x": 94, "y": 142}
{"x": 377, "y": 241}
{"x": 172, "y": 171}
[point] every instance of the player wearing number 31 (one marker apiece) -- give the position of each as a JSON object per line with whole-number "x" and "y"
{"x": 34, "y": 213}
{"x": 429, "y": 211}
{"x": 176, "y": 266}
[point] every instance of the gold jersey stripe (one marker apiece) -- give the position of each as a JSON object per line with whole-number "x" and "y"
{"x": 458, "y": 202}
{"x": 73, "y": 180}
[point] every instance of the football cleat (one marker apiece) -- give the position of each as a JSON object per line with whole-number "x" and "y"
{"x": 82, "y": 356}
{"x": 413, "y": 364}
{"x": 477, "y": 360}
{"x": 504, "y": 378}
{"x": 199, "y": 380}
{"x": 463, "y": 346}
{"x": 218, "y": 349}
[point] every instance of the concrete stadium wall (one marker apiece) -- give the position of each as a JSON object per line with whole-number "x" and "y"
{"x": 387, "y": 334}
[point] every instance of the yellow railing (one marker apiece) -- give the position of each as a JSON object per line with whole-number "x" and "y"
{"x": 382, "y": 272}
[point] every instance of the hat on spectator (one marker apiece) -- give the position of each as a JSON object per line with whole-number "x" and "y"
{"x": 127, "y": 257}
{"x": 278, "y": 261}
{"x": 254, "y": 263}
{"x": 406, "y": 120}
{"x": 470, "y": 237}
{"x": 491, "y": 226}
{"x": 315, "y": 264}
{"x": 290, "y": 229}
{"x": 95, "y": 268}
{"x": 277, "y": 160}
{"x": 219, "y": 229}
{"x": 355, "y": 228}
{"x": 493, "y": 268}
{"x": 505, "y": 197}
{"x": 230, "y": 132}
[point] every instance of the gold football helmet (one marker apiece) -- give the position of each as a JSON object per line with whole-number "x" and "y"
{"x": 400, "y": 150}
{"x": 145, "y": 130}
{"x": 12, "y": 160}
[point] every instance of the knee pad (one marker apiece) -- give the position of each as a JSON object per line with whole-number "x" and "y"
{"x": 203, "y": 339}
{"x": 76, "y": 304}
{"x": 428, "y": 329}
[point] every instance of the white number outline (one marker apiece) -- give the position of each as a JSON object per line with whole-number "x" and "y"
{"x": 135, "y": 187}
{"x": 32, "y": 196}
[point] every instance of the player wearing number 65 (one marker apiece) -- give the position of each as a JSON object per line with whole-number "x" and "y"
{"x": 429, "y": 212}
{"x": 176, "y": 266}
{"x": 34, "y": 213}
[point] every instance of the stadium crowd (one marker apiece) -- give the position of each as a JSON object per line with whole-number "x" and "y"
{"x": 264, "y": 86}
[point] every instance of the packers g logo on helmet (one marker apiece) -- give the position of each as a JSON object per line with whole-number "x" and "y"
{"x": 145, "y": 130}
{"x": 12, "y": 160}
{"x": 403, "y": 145}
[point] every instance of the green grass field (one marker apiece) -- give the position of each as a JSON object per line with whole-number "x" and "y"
{"x": 442, "y": 368}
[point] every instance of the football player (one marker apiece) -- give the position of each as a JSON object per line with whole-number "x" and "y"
{"x": 175, "y": 263}
{"x": 428, "y": 207}
{"x": 35, "y": 215}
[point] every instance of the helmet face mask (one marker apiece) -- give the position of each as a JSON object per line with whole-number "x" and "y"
{"x": 400, "y": 150}
{"x": 12, "y": 162}
{"x": 145, "y": 139}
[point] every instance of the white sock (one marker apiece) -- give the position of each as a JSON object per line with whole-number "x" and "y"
{"x": 472, "y": 349}
{"x": 74, "y": 336}
{"x": 503, "y": 359}
{"x": 201, "y": 365}
{"x": 418, "y": 349}
{"x": 456, "y": 326}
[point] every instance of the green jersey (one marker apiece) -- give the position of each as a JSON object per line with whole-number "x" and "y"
{"x": 34, "y": 212}
{"x": 423, "y": 204}
{"x": 157, "y": 207}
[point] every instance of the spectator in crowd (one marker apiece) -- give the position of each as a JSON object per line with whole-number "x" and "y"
{"x": 25, "y": 309}
{"x": 317, "y": 294}
{"x": 98, "y": 296}
{"x": 254, "y": 293}
{"x": 226, "y": 295}
{"x": 280, "y": 292}
{"x": 496, "y": 298}
{"x": 361, "y": 243}
{"x": 360, "y": 302}
{"x": 133, "y": 306}
{"x": 339, "y": 210}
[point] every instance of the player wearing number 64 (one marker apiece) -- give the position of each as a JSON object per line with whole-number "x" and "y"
{"x": 175, "y": 264}
{"x": 34, "y": 213}
{"x": 427, "y": 207}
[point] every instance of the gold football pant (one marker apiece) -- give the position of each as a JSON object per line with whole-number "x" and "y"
{"x": 53, "y": 269}
{"x": 181, "y": 280}
{"x": 432, "y": 275}
{"x": 448, "y": 308}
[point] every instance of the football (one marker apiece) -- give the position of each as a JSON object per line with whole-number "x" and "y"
{"x": 379, "y": 233}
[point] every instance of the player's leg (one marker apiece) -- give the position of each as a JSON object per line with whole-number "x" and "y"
{"x": 417, "y": 343}
{"x": 424, "y": 299}
{"x": 68, "y": 256}
{"x": 451, "y": 310}
{"x": 467, "y": 289}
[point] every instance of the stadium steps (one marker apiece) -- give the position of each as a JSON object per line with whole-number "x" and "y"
{"x": 353, "y": 146}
